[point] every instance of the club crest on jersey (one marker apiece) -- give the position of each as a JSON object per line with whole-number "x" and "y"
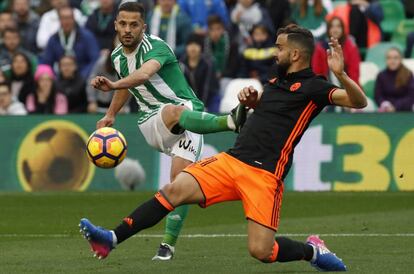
{"x": 294, "y": 87}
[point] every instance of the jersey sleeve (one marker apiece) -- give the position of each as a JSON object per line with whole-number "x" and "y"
{"x": 322, "y": 94}
{"x": 160, "y": 52}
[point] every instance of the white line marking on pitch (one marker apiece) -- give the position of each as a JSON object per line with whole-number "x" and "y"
{"x": 219, "y": 235}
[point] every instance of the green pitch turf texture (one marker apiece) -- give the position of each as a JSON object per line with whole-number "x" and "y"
{"x": 372, "y": 232}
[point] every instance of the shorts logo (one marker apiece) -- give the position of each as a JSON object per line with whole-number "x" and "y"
{"x": 295, "y": 87}
{"x": 186, "y": 144}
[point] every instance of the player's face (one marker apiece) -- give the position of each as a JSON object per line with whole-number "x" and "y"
{"x": 130, "y": 27}
{"x": 282, "y": 54}
{"x": 394, "y": 60}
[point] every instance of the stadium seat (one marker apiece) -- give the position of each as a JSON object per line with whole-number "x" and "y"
{"x": 400, "y": 34}
{"x": 229, "y": 100}
{"x": 369, "y": 89}
{"x": 393, "y": 14}
{"x": 367, "y": 71}
{"x": 409, "y": 63}
{"x": 376, "y": 54}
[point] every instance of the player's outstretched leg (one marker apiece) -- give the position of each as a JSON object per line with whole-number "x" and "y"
{"x": 323, "y": 259}
{"x": 203, "y": 122}
{"x": 174, "y": 223}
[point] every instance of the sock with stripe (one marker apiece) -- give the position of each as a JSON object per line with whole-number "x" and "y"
{"x": 204, "y": 122}
{"x": 175, "y": 222}
{"x": 290, "y": 250}
{"x": 146, "y": 215}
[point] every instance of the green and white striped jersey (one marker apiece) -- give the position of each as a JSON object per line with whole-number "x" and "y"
{"x": 168, "y": 85}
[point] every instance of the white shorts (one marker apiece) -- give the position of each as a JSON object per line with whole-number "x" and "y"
{"x": 187, "y": 145}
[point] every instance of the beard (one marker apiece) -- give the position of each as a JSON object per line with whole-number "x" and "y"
{"x": 282, "y": 68}
{"x": 131, "y": 43}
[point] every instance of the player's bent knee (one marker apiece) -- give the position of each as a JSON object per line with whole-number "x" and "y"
{"x": 171, "y": 114}
{"x": 174, "y": 194}
{"x": 260, "y": 252}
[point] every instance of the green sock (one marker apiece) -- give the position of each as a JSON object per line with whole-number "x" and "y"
{"x": 203, "y": 122}
{"x": 175, "y": 221}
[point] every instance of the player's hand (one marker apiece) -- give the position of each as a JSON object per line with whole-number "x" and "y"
{"x": 248, "y": 96}
{"x": 106, "y": 121}
{"x": 335, "y": 57}
{"x": 102, "y": 83}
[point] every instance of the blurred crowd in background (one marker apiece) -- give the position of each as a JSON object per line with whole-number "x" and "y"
{"x": 50, "y": 49}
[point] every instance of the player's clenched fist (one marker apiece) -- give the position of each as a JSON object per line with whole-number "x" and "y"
{"x": 248, "y": 96}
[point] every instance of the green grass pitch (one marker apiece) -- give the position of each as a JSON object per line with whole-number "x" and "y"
{"x": 372, "y": 232}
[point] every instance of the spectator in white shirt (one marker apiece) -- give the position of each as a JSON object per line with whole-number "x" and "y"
{"x": 49, "y": 22}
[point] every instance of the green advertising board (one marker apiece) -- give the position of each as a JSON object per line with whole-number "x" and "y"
{"x": 339, "y": 152}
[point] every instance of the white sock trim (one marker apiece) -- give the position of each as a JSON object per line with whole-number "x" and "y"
{"x": 114, "y": 239}
{"x": 230, "y": 123}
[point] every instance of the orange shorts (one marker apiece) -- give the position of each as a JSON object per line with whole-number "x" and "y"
{"x": 225, "y": 178}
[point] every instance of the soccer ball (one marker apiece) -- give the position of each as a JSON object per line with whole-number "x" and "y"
{"x": 106, "y": 147}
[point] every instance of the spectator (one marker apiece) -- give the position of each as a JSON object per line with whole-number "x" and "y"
{"x": 221, "y": 48}
{"x": 8, "y": 104}
{"x": 245, "y": 15}
{"x": 6, "y": 21}
{"x": 27, "y": 24}
{"x": 171, "y": 24}
{"x": 409, "y": 8}
{"x": 409, "y": 45}
{"x": 354, "y": 14}
{"x": 11, "y": 45}
{"x": 279, "y": 11}
{"x": 200, "y": 10}
{"x": 50, "y": 23}
{"x": 21, "y": 77}
{"x": 394, "y": 87}
{"x": 259, "y": 57}
{"x": 46, "y": 99}
{"x": 199, "y": 72}
{"x": 310, "y": 15}
{"x": 74, "y": 40}
{"x": 101, "y": 23}
{"x": 352, "y": 58}
{"x": 99, "y": 101}
{"x": 72, "y": 85}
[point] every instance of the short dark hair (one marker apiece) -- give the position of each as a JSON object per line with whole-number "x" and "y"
{"x": 132, "y": 7}
{"x": 300, "y": 36}
{"x": 214, "y": 19}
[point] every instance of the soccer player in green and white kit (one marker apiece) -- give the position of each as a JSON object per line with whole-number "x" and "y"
{"x": 169, "y": 111}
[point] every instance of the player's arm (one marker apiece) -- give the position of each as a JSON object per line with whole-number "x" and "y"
{"x": 118, "y": 101}
{"x": 351, "y": 95}
{"x": 140, "y": 76}
{"x": 136, "y": 78}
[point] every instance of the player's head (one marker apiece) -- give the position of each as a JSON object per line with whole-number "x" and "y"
{"x": 130, "y": 24}
{"x": 294, "y": 47}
